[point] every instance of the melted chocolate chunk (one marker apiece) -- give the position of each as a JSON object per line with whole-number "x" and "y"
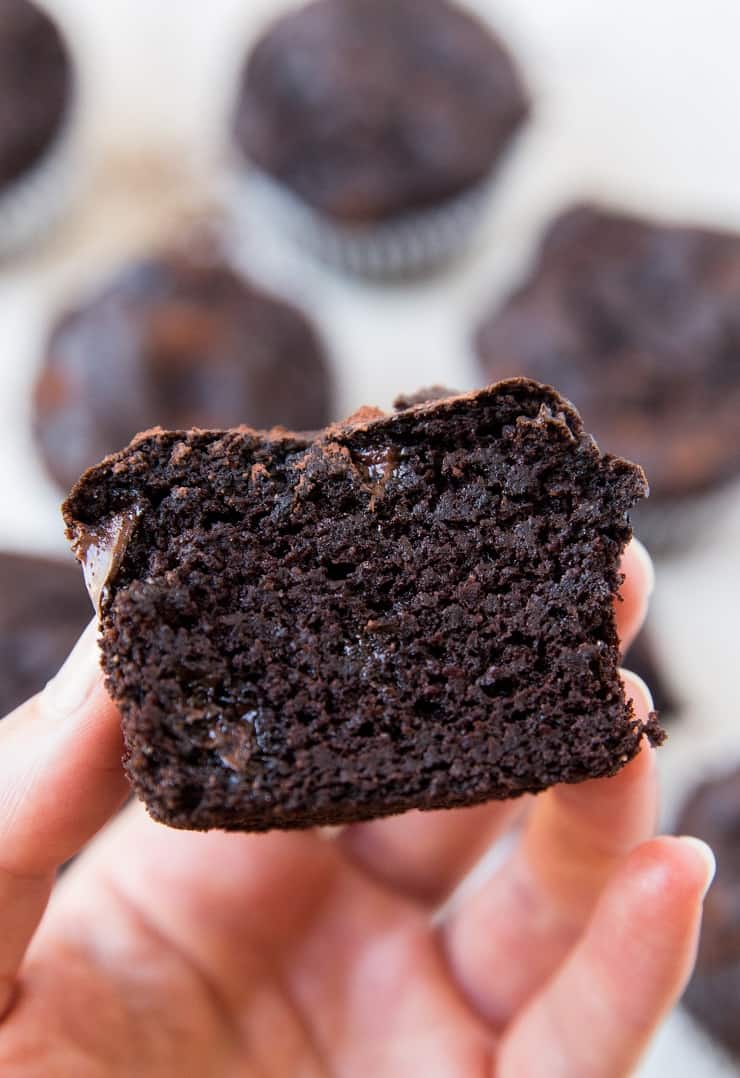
{"x": 422, "y": 396}
{"x": 101, "y": 550}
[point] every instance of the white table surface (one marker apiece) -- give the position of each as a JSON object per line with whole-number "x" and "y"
{"x": 636, "y": 102}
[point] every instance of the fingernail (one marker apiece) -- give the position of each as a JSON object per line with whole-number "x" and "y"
{"x": 640, "y": 685}
{"x": 707, "y": 855}
{"x": 646, "y": 561}
{"x": 330, "y": 832}
{"x": 69, "y": 689}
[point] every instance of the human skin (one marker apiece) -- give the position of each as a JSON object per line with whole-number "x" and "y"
{"x": 169, "y": 953}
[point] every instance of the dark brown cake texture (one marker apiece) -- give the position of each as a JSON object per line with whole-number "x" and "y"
{"x": 370, "y": 109}
{"x": 43, "y": 609}
{"x": 175, "y": 340}
{"x": 35, "y": 86}
{"x": 713, "y": 995}
{"x": 402, "y": 611}
{"x": 638, "y": 323}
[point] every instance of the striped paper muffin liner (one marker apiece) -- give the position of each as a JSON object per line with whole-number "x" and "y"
{"x": 405, "y": 245}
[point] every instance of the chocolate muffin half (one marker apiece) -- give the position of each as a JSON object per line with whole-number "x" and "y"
{"x": 404, "y": 611}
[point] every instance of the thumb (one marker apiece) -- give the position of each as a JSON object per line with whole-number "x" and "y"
{"x": 60, "y": 780}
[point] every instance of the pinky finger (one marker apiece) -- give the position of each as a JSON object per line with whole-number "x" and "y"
{"x": 595, "y": 1017}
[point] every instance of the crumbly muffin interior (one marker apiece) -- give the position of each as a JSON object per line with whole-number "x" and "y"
{"x": 408, "y": 612}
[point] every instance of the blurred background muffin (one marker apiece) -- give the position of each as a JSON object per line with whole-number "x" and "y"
{"x": 638, "y": 323}
{"x": 37, "y": 90}
{"x": 176, "y": 340}
{"x": 44, "y": 609}
{"x": 379, "y": 123}
{"x": 712, "y": 812}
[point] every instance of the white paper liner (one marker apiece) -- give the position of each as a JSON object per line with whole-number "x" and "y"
{"x": 402, "y": 246}
{"x": 33, "y": 202}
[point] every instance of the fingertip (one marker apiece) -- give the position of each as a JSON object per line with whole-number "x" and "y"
{"x": 626, "y": 971}
{"x": 705, "y": 865}
{"x": 637, "y": 586}
{"x": 329, "y": 833}
{"x": 642, "y": 764}
{"x": 629, "y": 967}
{"x": 77, "y": 679}
{"x": 679, "y": 868}
{"x": 642, "y": 565}
{"x": 638, "y": 692}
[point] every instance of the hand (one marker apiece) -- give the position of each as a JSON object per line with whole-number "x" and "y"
{"x": 167, "y": 953}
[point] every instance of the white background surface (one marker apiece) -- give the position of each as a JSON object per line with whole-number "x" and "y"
{"x": 637, "y": 102}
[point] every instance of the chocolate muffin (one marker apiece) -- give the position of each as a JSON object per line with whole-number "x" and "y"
{"x": 404, "y": 611}
{"x": 44, "y": 609}
{"x": 174, "y": 341}
{"x": 35, "y": 87}
{"x": 713, "y": 994}
{"x": 638, "y": 323}
{"x": 372, "y": 111}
